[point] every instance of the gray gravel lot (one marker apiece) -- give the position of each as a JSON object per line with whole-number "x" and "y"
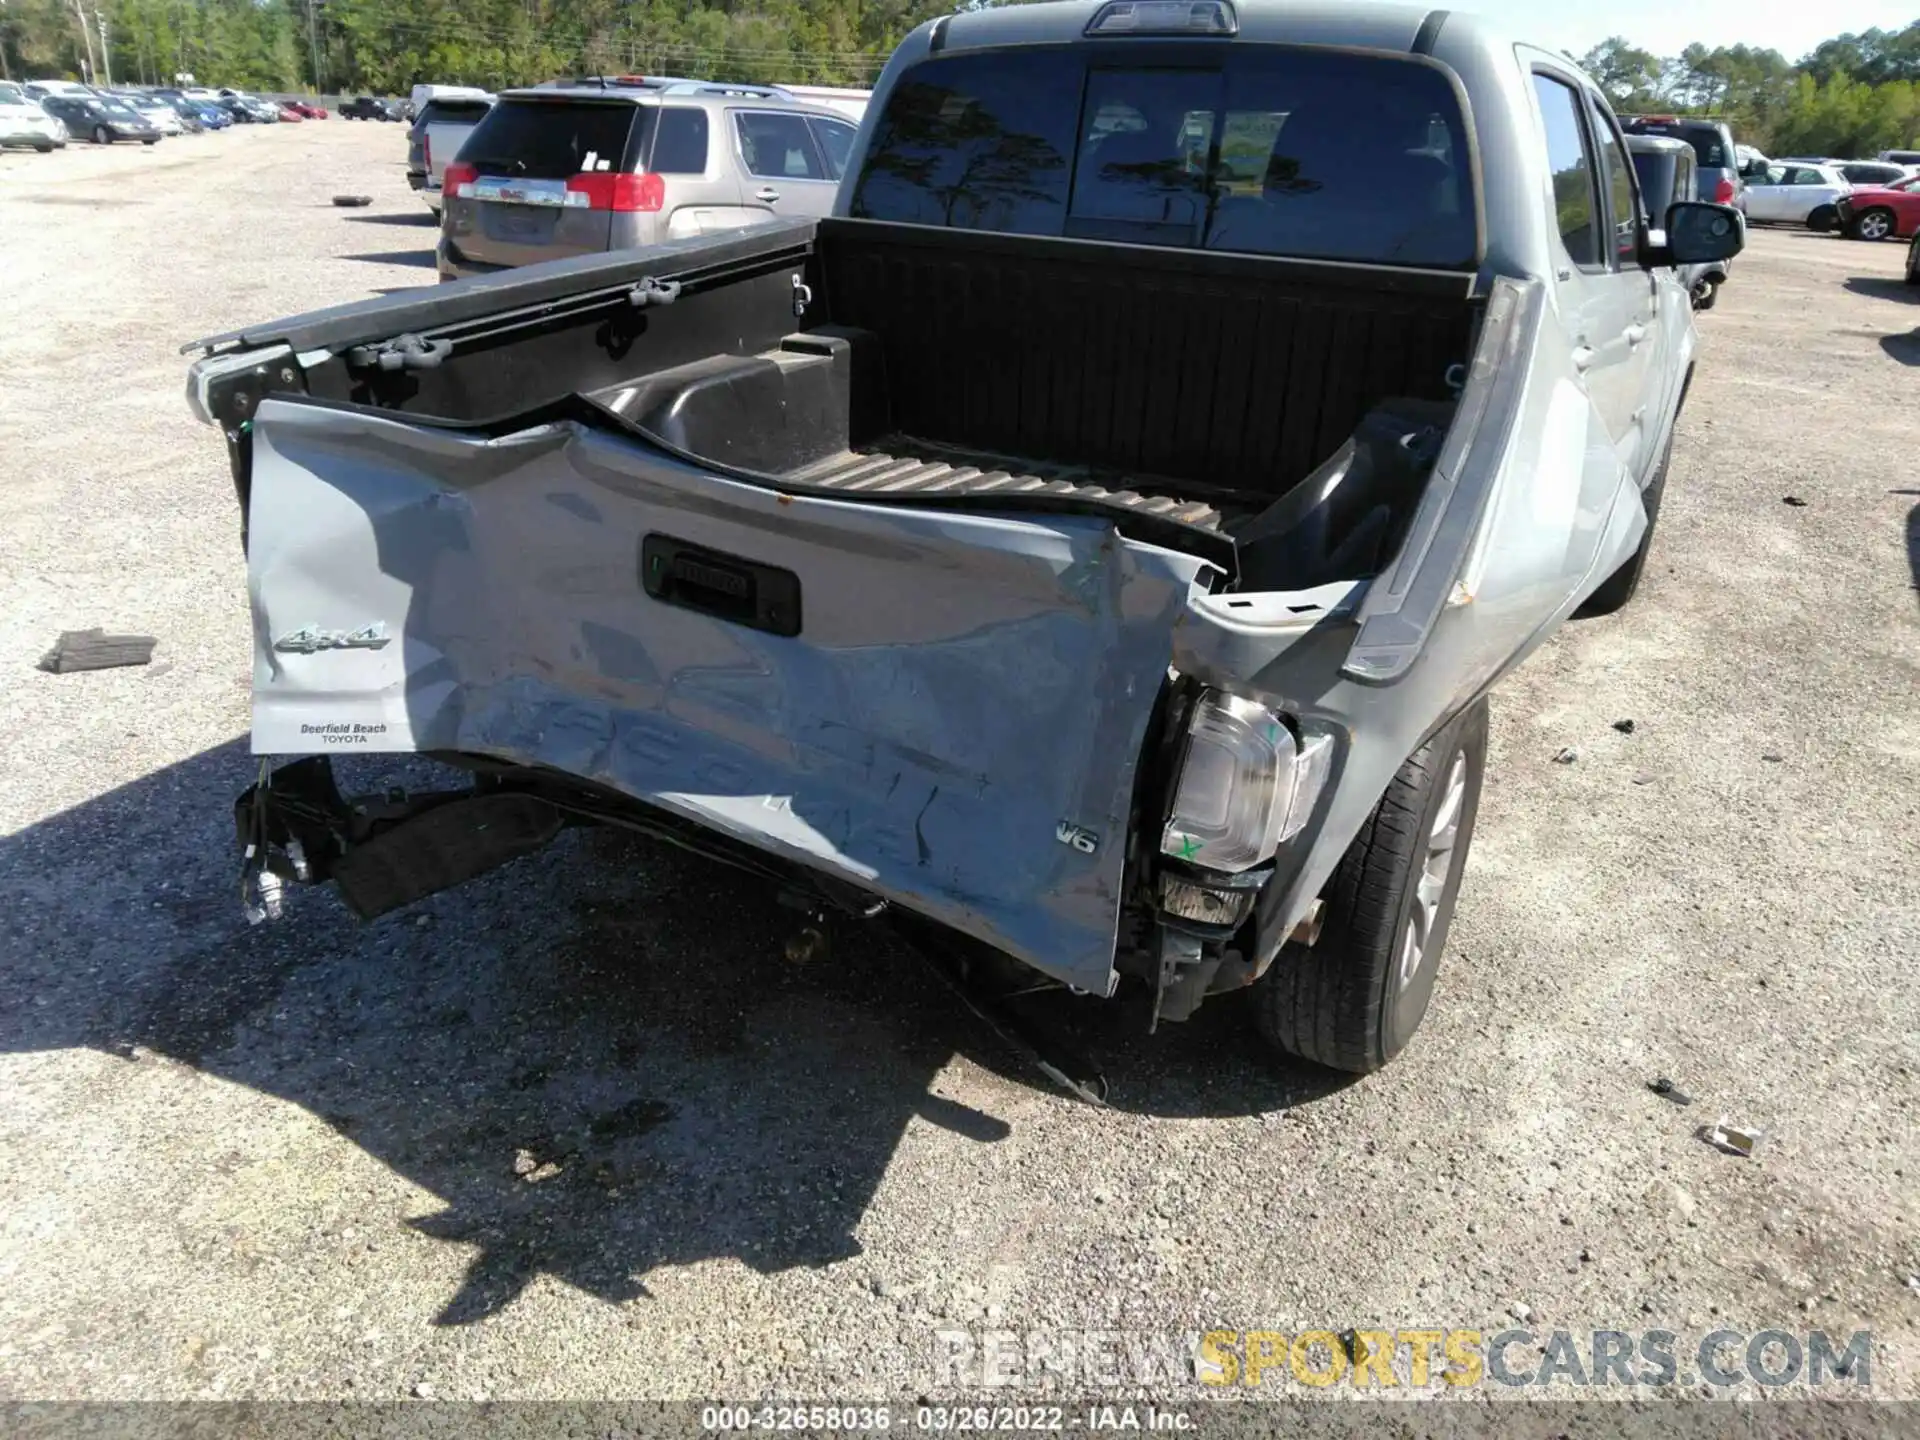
{"x": 579, "y": 1131}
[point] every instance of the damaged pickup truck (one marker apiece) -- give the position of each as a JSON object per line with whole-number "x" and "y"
{"x": 1093, "y": 544}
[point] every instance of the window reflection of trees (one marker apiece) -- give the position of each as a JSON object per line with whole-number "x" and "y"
{"x": 955, "y": 151}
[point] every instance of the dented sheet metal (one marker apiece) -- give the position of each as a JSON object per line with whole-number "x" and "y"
{"x": 956, "y": 725}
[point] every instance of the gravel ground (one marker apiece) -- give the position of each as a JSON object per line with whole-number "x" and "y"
{"x": 579, "y": 1131}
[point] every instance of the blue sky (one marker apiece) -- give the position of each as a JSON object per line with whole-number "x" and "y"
{"x": 1792, "y": 27}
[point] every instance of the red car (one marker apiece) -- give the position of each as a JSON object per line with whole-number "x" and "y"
{"x": 1873, "y": 212}
{"x": 290, "y": 116}
{"x": 306, "y": 110}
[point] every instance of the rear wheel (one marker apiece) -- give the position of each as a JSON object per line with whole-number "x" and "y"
{"x": 1913, "y": 261}
{"x": 102, "y": 135}
{"x": 1353, "y": 1000}
{"x": 1824, "y": 219}
{"x": 1871, "y": 225}
{"x": 45, "y": 147}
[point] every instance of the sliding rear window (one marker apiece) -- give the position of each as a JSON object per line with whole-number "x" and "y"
{"x": 1264, "y": 150}
{"x": 553, "y": 139}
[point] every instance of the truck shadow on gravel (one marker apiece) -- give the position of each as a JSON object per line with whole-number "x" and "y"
{"x": 598, "y": 1058}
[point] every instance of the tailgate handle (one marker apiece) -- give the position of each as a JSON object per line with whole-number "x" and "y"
{"x": 728, "y": 587}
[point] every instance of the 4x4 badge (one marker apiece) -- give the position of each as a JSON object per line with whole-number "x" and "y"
{"x": 312, "y": 638}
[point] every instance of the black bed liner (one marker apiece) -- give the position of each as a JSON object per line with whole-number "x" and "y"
{"x": 898, "y": 465}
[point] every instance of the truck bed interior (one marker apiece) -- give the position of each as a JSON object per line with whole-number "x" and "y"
{"x": 1294, "y": 406}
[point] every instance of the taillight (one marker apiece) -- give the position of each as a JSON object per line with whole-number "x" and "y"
{"x": 1723, "y": 192}
{"x": 609, "y": 190}
{"x": 457, "y": 180}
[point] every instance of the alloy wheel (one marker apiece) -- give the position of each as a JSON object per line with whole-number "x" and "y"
{"x": 1436, "y": 869}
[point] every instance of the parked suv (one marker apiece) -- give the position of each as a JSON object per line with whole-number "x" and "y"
{"x": 1666, "y": 169}
{"x": 578, "y": 169}
{"x": 1716, "y": 175}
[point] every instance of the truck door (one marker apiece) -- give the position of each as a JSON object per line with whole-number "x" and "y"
{"x": 1642, "y": 299}
{"x": 1603, "y": 308}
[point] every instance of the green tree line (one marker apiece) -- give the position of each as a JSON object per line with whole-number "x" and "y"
{"x": 1855, "y": 95}
{"x": 387, "y": 46}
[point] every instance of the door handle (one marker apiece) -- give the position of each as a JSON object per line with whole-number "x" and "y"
{"x": 1582, "y": 356}
{"x": 766, "y": 194}
{"x": 1635, "y": 334}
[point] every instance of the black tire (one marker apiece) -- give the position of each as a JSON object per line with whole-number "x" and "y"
{"x": 1618, "y": 588}
{"x": 1823, "y": 219}
{"x": 45, "y": 147}
{"x": 1707, "y": 296}
{"x": 1344, "y": 1002}
{"x": 102, "y": 135}
{"x": 154, "y": 141}
{"x": 1879, "y": 219}
{"x": 1913, "y": 261}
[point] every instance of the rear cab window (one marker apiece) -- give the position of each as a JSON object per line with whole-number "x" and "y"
{"x": 1261, "y": 150}
{"x": 539, "y": 139}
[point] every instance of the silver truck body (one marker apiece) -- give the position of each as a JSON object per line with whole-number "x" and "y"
{"x": 968, "y": 721}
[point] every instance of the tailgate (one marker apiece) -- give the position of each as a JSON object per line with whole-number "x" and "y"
{"x": 945, "y": 708}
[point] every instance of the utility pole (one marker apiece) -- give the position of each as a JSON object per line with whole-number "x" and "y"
{"x": 106, "y": 60}
{"x": 313, "y": 41}
{"x": 86, "y": 39}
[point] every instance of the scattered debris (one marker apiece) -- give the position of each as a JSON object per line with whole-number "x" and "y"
{"x": 1667, "y": 1090}
{"x": 531, "y": 1168}
{"x": 352, "y": 202}
{"x": 95, "y": 650}
{"x": 1793, "y": 500}
{"x": 1625, "y": 727}
{"x": 1566, "y": 756}
{"x": 1913, "y": 1282}
{"x": 1645, "y": 777}
{"x": 1733, "y": 1139}
{"x": 1586, "y": 1255}
{"x": 1522, "y": 1313}
{"x": 1773, "y": 759}
{"x": 423, "y": 1390}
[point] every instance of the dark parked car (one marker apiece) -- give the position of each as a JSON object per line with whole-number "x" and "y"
{"x": 368, "y": 107}
{"x": 102, "y": 119}
{"x": 1716, "y": 175}
{"x": 1666, "y": 170}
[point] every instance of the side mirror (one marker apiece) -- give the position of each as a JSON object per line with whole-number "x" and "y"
{"x": 1698, "y": 234}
